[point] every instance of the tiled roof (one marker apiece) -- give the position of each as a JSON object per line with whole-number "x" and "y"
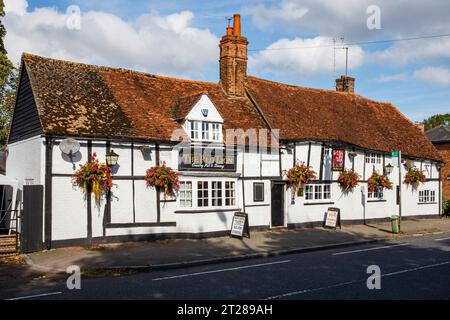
{"x": 82, "y": 100}
{"x": 325, "y": 115}
{"x": 439, "y": 134}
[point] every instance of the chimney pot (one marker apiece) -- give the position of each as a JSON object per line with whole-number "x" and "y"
{"x": 237, "y": 24}
{"x": 229, "y": 31}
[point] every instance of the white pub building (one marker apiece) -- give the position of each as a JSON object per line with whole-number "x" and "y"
{"x": 143, "y": 117}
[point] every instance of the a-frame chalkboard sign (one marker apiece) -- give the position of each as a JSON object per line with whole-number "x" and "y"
{"x": 239, "y": 226}
{"x": 333, "y": 218}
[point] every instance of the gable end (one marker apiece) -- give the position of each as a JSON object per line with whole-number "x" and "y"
{"x": 25, "y": 123}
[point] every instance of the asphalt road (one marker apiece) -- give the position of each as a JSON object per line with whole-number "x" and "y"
{"x": 411, "y": 268}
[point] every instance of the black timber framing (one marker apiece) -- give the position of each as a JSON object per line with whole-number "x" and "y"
{"x": 89, "y": 199}
{"x": 158, "y": 195}
{"x": 48, "y": 192}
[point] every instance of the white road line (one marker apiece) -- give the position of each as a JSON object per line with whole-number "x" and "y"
{"x": 284, "y": 295}
{"x": 220, "y": 270}
{"x": 36, "y": 296}
{"x": 369, "y": 249}
{"x": 442, "y": 239}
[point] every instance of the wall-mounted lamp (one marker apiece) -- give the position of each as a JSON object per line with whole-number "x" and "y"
{"x": 111, "y": 158}
{"x": 388, "y": 169}
{"x": 352, "y": 155}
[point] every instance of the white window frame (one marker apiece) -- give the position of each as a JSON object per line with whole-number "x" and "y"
{"x": 374, "y": 157}
{"x": 377, "y": 194}
{"x": 194, "y": 130}
{"x": 201, "y": 198}
{"x": 205, "y": 131}
{"x": 318, "y": 192}
{"x": 218, "y": 194}
{"x": 230, "y": 194}
{"x": 215, "y": 131}
{"x": 185, "y": 194}
{"x": 427, "y": 196}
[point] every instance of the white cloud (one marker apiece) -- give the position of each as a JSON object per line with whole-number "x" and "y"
{"x": 393, "y": 77}
{"x": 435, "y": 75}
{"x": 404, "y": 53}
{"x": 306, "y": 61}
{"x": 16, "y": 6}
{"x": 287, "y": 11}
{"x": 154, "y": 43}
{"x": 430, "y": 75}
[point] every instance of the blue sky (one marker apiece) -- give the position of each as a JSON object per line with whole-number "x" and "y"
{"x": 179, "y": 38}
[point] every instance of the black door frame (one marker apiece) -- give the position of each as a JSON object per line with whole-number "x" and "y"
{"x": 281, "y": 183}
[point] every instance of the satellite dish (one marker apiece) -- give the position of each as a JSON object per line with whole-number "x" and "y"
{"x": 69, "y": 146}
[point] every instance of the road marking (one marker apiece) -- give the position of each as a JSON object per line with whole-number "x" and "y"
{"x": 442, "y": 239}
{"x": 369, "y": 249}
{"x": 284, "y": 295}
{"x": 36, "y": 295}
{"x": 220, "y": 270}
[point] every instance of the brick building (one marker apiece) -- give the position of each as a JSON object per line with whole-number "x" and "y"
{"x": 440, "y": 137}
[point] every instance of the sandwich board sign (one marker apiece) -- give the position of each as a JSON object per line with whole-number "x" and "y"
{"x": 239, "y": 226}
{"x": 333, "y": 218}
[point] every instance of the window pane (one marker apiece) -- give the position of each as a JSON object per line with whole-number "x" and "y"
{"x": 185, "y": 194}
{"x": 202, "y": 193}
{"x": 258, "y": 189}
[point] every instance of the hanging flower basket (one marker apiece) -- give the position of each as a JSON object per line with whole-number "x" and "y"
{"x": 378, "y": 182}
{"x": 93, "y": 176}
{"x": 414, "y": 177}
{"x": 299, "y": 175}
{"x": 348, "y": 180}
{"x": 164, "y": 179}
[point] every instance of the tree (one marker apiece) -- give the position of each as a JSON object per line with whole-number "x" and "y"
{"x": 8, "y": 83}
{"x": 437, "y": 120}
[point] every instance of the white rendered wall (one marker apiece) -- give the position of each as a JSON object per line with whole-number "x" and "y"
{"x": 25, "y": 160}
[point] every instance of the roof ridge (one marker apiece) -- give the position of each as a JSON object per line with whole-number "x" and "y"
{"x": 348, "y": 94}
{"x": 123, "y": 70}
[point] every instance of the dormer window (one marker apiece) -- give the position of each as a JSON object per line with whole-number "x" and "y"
{"x": 203, "y": 123}
{"x": 205, "y": 131}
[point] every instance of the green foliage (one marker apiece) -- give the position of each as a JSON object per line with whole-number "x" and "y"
{"x": 445, "y": 207}
{"x": 8, "y": 83}
{"x": 437, "y": 120}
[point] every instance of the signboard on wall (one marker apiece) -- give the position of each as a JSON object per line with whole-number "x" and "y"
{"x": 207, "y": 159}
{"x": 338, "y": 159}
{"x": 239, "y": 226}
{"x": 333, "y": 218}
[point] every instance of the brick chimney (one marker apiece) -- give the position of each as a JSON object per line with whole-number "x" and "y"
{"x": 233, "y": 59}
{"x": 345, "y": 84}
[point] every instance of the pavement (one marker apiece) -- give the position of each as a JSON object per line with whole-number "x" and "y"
{"x": 181, "y": 253}
{"x": 415, "y": 267}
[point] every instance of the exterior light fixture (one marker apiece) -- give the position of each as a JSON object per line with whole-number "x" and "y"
{"x": 352, "y": 155}
{"x": 388, "y": 169}
{"x": 111, "y": 158}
